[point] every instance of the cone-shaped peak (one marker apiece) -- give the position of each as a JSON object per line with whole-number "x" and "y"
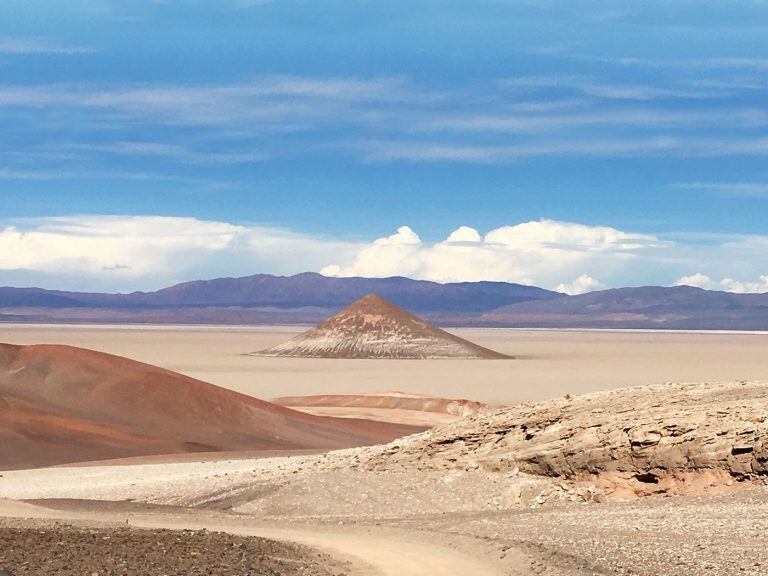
{"x": 372, "y": 302}
{"x": 372, "y": 310}
{"x": 371, "y": 299}
{"x": 373, "y": 327}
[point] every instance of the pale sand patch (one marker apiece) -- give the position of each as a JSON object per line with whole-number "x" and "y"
{"x": 548, "y": 364}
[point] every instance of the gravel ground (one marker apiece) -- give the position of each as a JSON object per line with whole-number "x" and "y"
{"x": 723, "y": 535}
{"x": 35, "y": 549}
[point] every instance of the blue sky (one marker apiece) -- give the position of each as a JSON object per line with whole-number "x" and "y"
{"x": 341, "y": 122}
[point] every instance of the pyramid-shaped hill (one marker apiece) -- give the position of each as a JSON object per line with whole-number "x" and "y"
{"x": 372, "y": 327}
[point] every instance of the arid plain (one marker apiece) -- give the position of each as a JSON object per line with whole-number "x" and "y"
{"x": 548, "y": 363}
{"x": 569, "y": 481}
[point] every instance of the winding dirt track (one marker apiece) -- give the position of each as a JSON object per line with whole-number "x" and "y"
{"x": 370, "y": 552}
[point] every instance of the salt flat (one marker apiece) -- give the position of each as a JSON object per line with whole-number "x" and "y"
{"x": 548, "y": 363}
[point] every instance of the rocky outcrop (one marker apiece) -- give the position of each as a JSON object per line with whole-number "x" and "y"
{"x": 646, "y": 439}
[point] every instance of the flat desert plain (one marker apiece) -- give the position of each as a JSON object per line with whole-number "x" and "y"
{"x": 547, "y": 364}
{"x": 574, "y": 486}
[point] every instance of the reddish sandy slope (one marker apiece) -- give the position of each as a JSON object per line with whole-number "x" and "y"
{"x": 62, "y": 404}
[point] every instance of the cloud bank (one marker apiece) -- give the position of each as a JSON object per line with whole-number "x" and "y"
{"x": 546, "y": 253}
{"x": 120, "y": 253}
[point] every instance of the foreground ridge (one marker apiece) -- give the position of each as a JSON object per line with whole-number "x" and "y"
{"x": 670, "y": 438}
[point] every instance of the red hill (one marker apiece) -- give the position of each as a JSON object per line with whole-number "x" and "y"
{"x": 63, "y": 404}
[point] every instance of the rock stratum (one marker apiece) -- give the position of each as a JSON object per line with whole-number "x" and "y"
{"x": 387, "y": 400}
{"x": 62, "y": 404}
{"x": 674, "y": 438}
{"x": 396, "y": 407}
{"x": 372, "y": 327}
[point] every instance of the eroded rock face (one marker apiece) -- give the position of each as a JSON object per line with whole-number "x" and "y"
{"x": 641, "y": 437}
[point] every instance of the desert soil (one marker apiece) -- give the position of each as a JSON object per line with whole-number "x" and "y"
{"x": 723, "y": 535}
{"x": 362, "y": 551}
{"x": 548, "y": 364}
{"x": 32, "y": 548}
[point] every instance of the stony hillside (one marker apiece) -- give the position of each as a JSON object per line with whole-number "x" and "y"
{"x": 677, "y": 438}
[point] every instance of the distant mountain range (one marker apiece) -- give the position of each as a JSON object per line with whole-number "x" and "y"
{"x": 649, "y": 307}
{"x": 309, "y": 298}
{"x": 263, "y": 298}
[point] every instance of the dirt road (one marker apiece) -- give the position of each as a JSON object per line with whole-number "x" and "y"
{"x": 370, "y": 552}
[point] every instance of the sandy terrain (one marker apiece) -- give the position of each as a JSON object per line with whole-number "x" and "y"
{"x": 549, "y": 363}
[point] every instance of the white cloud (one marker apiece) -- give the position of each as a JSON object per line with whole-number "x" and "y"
{"x": 731, "y": 285}
{"x": 148, "y": 252}
{"x": 544, "y": 252}
{"x": 395, "y": 255}
{"x": 127, "y": 246}
{"x": 700, "y": 280}
{"x": 697, "y": 280}
{"x": 464, "y": 234}
{"x": 143, "y": 252}
{"x": 581, "y": 285}
{"x": 567, "y": 235}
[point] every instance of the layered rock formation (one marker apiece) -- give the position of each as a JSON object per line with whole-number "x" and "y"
{"x": 375, "y": 328}
{"x": 398, "y": 407}
{"x": 667, "y": 438}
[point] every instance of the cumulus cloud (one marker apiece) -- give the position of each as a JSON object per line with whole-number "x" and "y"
{"x": 395, "y": 255}
{"x": 581, "y": 285}
{"x": 464, "y": 234}
{"x": 544, "y": 252}
{"x": 132, "y": 245}
{"x": 697, "y": 280}
{"x": 759, "y": 286}
{"x": 119, "y": 253}
{"x": 144, "y": 252}
{"x": 700, "y": 280}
